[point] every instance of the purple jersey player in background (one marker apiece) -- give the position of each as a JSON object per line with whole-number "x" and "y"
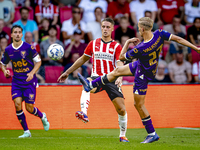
{"x": 25, "y": 63}
{"x": 144, "y": 69}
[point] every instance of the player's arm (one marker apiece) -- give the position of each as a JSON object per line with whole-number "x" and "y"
{"x": 36, "y": 67}
{"x": 184, "y": 42}
{"x": 78, "y": 63}
{"x": 3, "y": 68}
{"x": 122, "y": 56}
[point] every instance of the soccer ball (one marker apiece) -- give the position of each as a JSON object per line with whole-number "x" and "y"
{"x": 55, "y": 51}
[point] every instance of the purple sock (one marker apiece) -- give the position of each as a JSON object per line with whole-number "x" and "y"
{"x": 148, "y": 125}
{"x": 22, "y": 119}
{"x": 37, "y": 112}
{"x": 100, "y": 81}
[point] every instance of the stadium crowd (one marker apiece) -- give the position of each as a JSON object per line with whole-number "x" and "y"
{"x": 74, "y": 23}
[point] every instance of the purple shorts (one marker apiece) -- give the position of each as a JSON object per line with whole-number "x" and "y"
{"x": 27, "y": 92}
{"x": 140, "y": 82}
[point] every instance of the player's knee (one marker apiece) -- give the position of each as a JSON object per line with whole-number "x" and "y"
{"x": 29, "y": 108}
{"x": 138, "y": 105}
{"x": 18, "y": 106}
{"x": 121, "y": 111}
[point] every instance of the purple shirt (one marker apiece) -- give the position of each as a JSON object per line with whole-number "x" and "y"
{"x": 148, "y": 53}
{"x": 22, "y": 61}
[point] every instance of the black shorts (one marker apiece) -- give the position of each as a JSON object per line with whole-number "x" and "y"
{"x": 111, "y": 89}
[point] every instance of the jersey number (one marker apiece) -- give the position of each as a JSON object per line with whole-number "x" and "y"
{"x": 152, "y": 61}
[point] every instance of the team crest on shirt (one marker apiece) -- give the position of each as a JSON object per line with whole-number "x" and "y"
{"x": 32, "y": 47}
{"x": 111, "y": 50}
{"x": 31, "y": 96}
{"x": 23, "y": 54}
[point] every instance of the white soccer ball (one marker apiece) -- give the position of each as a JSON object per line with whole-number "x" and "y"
{"x": 55, "y": 51}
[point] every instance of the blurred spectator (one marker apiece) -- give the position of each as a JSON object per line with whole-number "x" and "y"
{"x": 167, "y": 9}
{"x": 17, "y": 3}
{"x": 149, "y": 14}
{"x": 73, "y": 77}
{"x": 196, "y": 71}
{"x": 174, "y": 48}
{"x": 3, "y": 33}
{"x": 138, "y": 8}
{"x": 75, "y": 47}
{"x": 47, "y": 10}
{"x": 62, "y": 3}
{"x": 43, "y": 30}
{"x": 88, "y": 7}
{"x": 117, "y": 9}
{"x": 44, "y": 45}
{"x": 7, "y": 11}
{"x": 69, "y": 26}
{"x": 176, "y": 27}
{"x": 123, "y": 29}
{"x": 180, "y": 70}
{"x": 26, "y": 24}
{"x": 192, "y": 10}
{"x": 193, "y": 32}
{"x": 3, "y": 45}
{"x": 160, "y": 74}
{"x": 29, "y": 40}
{"x": 94, "y": 27}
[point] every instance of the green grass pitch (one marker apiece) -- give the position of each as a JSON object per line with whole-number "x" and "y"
{"x": 100, "y": 139}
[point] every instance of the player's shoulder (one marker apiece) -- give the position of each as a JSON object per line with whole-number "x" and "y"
{"x": 8, "y": 48}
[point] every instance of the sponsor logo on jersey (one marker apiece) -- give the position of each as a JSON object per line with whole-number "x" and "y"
{"x": 141, "y": 77}
{"x": 31, "y": 96}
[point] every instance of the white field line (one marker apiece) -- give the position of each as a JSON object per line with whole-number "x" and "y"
{"x": 187, "y": 128}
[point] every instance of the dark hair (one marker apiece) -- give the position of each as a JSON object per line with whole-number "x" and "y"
{"x": 109, "y": 20}
{"x": 177, "y": 16}
{"x": 52, "y": 26}
{"x": 147, "y": 11}
{"x": 25, "y": 8}
{"x": 16, "y": 26}
{"x": 98, "y": 8}
{"x": 3, "y": 37}
{"x": 196, "y": 18}
{"x": 74, "y": 7}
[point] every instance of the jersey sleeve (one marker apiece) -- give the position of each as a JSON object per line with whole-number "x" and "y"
{"x": 88, "y": 51}
{"x": 56, "y": 10}
{"x": 165, "y": 35}
{"x": 117, "y": 52}
{"x": 5, "y": 60}
{"x": 133, "y": 53}
{"x": 37, "y": 11}
{"x": 33, "y": 52}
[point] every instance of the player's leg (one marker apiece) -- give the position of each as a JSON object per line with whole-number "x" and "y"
{"x": 84, "y": 102}
{"x": 112, "y": 76}
{"x": 115, "y": 94}
{"x": 140, "y": 89}
{"x": 122, "y": 117}
{"x": 21, "y": 117}
{"x": 29, "y": 95}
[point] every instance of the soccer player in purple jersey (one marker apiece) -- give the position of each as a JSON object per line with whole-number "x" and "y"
{"x": 25, "y": 62}
{"x": 145, "y": 68}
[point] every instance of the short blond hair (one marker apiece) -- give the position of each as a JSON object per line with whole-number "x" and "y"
{"x": 146, "y": 23}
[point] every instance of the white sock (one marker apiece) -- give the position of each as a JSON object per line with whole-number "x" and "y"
{"x": 90, "y": 84}
{"x": 152, "y": 134}
{"x": 85, "y": 101}
{"x": 122, "y": 124}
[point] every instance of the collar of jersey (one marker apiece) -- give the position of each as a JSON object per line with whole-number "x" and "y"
{"x": 106, "y": 42}
{"x": 18, "y": 46}
{"x": 149, "y": 40}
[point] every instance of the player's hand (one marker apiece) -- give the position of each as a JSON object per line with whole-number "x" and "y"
{"x": 7, "y": 73}
{"x": 63, "y": 77}
{"x": 135, "y": 41}
{"x": 118, "y": 82}
{"x": 30, "y": 77}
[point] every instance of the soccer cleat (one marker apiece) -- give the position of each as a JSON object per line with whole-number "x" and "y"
{"x": 151, "y": 138}
{"x": 82, "y": 116}
{"x": 123, "y": 139}
{"x": 25, "y": 135}
{"x": 45, "y": 122}
{"x": 85, "y": 82}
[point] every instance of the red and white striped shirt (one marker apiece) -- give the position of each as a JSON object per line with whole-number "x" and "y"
{"x": 46, "y": 12}
{"x": 104, "y": 56}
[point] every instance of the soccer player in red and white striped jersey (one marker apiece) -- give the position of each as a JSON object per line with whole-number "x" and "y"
{"x": 47, "y": 10}
{"x": 105, "y": 58}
